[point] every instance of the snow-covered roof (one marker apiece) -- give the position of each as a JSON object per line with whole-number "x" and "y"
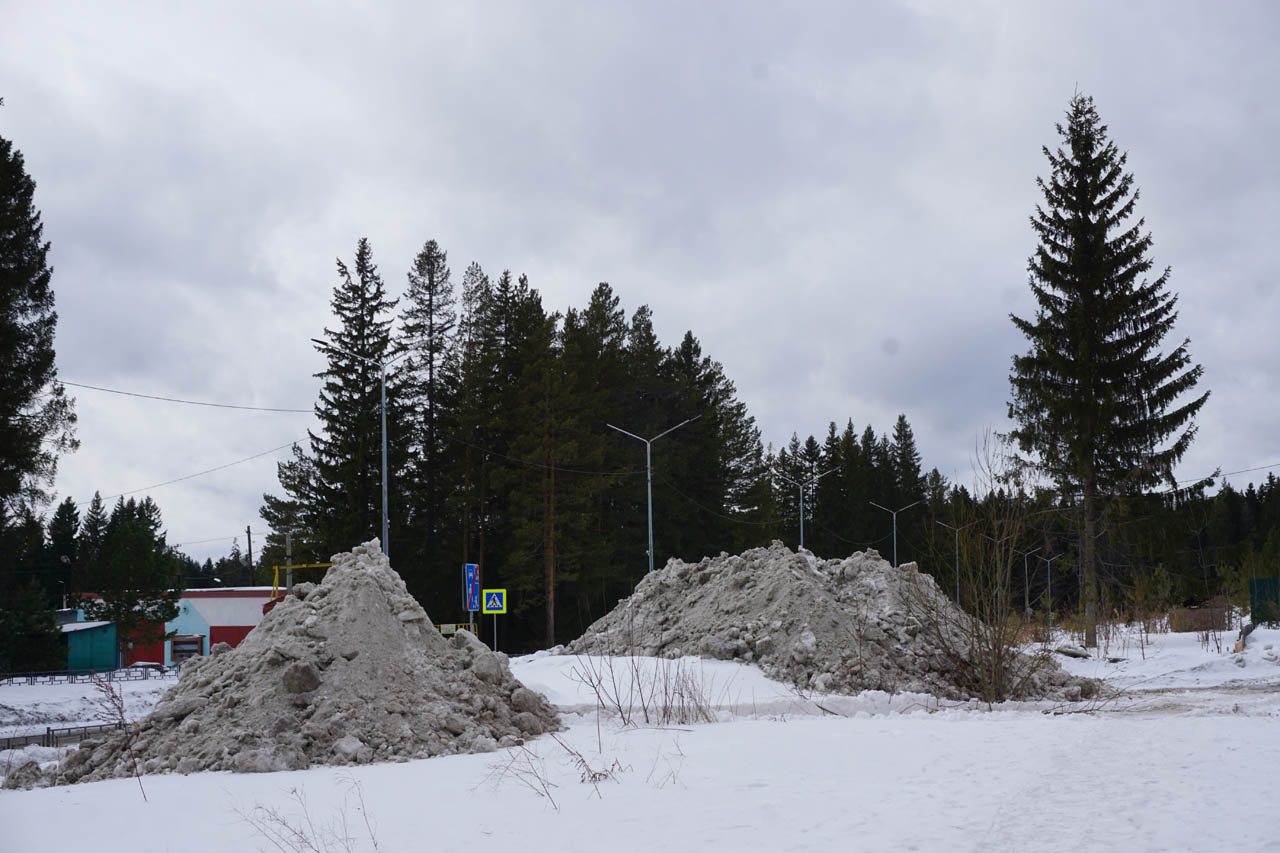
{"x": 81, "y": 626}
{"x": 265, "y": 590}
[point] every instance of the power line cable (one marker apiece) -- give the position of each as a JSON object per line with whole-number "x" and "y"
{"x": 188, "y": 402}
{"x": 539, "y": 465}
{"x": 706, "y": 509}
{"x": 205, "y": 541}
{"x": 850, "y": 541}
{"x": 202, "y": 473}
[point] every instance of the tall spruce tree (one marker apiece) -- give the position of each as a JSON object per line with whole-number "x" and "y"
{"x": 340, "y": 483}
{"x": 37, "y": 419}
{"x": 1095, "y": 399}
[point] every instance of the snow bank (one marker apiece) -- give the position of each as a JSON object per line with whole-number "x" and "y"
{"x": 828, "y": 625}
{"x": 347, "y": 672}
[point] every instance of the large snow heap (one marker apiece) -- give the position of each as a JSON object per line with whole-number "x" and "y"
{"x": 830, "y": 625}
{"x": 347, "y": 671}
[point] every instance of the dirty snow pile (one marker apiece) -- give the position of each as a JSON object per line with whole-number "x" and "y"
{"x": 349, "y": 671}
{"x": 830, "y": 625}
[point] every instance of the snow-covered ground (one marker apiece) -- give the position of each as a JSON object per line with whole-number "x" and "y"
{"x": 1186, "y": 759}
{"x": 29, "y": 709}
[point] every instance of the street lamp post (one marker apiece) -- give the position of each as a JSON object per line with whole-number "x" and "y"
{"x": 1048, "y": 567}
{"x": 957, "y": 530}
{"x": 382, "y": 374}
{"x": 996, "y": 543}
{"x": 1026, "y": 581}
{"x": 648, "y": 467}
{"x": 801, "y": 487}
{"x": 894, "y": 513}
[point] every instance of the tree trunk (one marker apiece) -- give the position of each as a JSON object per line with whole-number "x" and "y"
{"x": 1089, "y": 569}
{"x": 549, "y": 553}
{"x": 466, "y": 507}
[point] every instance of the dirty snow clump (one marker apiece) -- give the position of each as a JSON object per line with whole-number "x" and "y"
{"x": 830, "y": 625}
{"x": 348, "y": 671}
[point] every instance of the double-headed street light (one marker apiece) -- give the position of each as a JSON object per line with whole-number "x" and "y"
{"x": 1048, "y": 567}
{"x": 1026, "y": 580}
{"x": 957, "y": 530}
{"x": 648, "y": 467}
{"x": 382, "y": 373}
{"x": 894, "y": 513}
{"x": 801, "y": 487}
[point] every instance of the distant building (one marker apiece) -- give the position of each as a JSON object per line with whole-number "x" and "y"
{"x": 90, "y": 645}
{"x": 205, "y": 616}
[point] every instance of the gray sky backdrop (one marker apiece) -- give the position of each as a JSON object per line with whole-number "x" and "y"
{"x": 834, "y": 197}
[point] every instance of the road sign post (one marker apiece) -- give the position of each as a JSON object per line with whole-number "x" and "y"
{"x": 495, "y": 602}
{"x": 471, "y": 591}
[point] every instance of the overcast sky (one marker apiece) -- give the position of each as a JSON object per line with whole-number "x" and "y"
{"x": 834, "y": 197}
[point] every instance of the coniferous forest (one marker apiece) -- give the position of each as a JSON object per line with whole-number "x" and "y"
{"x": 517, "y": 437}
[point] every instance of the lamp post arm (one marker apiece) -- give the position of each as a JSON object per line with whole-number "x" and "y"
{"x": 624, "y": 432}
{"x": 328, "y": 345}
{"x": 674, "y": 428}
{"x": 823, "y": 474}
{"x": 784, "y": 477}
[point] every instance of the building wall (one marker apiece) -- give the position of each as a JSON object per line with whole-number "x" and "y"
{"x": 190, "y": 620}
{"x": 92, "y": 648}
{"x": 229, "y": 634}
{"x": 230, "y": 606}
{"x": 137, "y": 652}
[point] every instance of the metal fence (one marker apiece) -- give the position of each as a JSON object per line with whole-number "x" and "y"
{"x": 84, "y": 676}
{"x": 57, "y": 737}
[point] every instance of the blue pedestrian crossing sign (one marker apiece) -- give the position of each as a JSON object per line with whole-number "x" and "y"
{"x": 495, "y": 601}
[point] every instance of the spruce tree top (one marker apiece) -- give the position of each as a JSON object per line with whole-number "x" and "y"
{"x": 37, "y": 419}
{"x": 1094, "y": 399}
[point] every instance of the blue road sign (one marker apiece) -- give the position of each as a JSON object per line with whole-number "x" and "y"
{"x": 471, "y": 583}
{"x": 495, "y": 601}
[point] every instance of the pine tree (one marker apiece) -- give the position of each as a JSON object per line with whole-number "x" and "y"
{"x": 830, "y": 499}
{"x": 906, "y": 462}
{"x": 708, "y": 469}
{"x": 63, "y": 549}
{"x": 29, "y": 637}
{"x": 137, "y": 578}
{"x": 430, "y": 375}
{"x": 476, "y": 402}
{"x": 594, "y": 359}
{"x": 339, "y": 484}
{"x": 1094, "y": 399}
{"x": 93, "y": 536}
{"x": 64, "y": 533}
{"x": 37, "y": 419}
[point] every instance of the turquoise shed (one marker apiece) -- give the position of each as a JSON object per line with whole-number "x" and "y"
{"x": 90, "y": 645}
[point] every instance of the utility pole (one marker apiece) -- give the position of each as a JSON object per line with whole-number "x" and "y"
{"x": 957, "y": 530}
{"x": 800, "y": 487}
{"x": 288, "y": 561}
{"x": 648, "y": 467}
{"x": 894, "y": 513}
{"x": 382, "y": 373}
{"x": 248, "y": 540}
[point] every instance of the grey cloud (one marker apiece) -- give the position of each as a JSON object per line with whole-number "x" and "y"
{"x": 797, "y": 185}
